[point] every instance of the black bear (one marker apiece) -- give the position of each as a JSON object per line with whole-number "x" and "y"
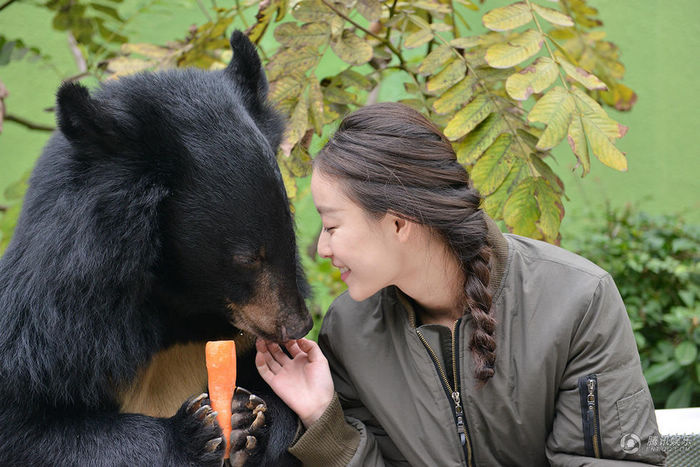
{"x": 156, "y": 220}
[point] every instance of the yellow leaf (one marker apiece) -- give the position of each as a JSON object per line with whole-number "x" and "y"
{"x": 454, "y": 97}
{"x": 589, "y": 80}
{"x": 493, "y": 167}
{"x": 296, "y": 127}
{"x": 553, "y": 16}
{"x": 469, "y": 117}
{"x": 551, "y": 210}
{"x": 532, "y": 79}
{"x": 602, "y": 147}
{"x": 316, "y": 104}
{"x": 476, "y": 142}
{"x": 620, "y": 96}
{"x": 352, "y": 49}
{"x": 447, "y": 77}
{"x": 370, "y": 9}
{"x": 465, "y": 42}
{"x": 554, "y": 109}
{"x": 298, "y": 59}
{"x": 436, "y": 59}
{"x": 311, "y": 35}
{"x": 123, "y": 66}
{"x": 590, "y": 109}
{"x": 508, "y": 54}
{"x": 147, "y": 50}
{"x": 284, "y": 88}
{"x": 312, "y": 11}
{"x": 507, "y": 17}
{"x": 577, "y": 141}
{"x": 418, "y": 38}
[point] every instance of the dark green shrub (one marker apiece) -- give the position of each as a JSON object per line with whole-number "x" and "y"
{"x": 654, "y": 261}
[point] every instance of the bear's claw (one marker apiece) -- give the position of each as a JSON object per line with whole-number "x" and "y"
{"x": 247, "y": 419}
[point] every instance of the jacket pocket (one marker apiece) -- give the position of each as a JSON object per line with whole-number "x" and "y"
{"x": 588, "y": 394}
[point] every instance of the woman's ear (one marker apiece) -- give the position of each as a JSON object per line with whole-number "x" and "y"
{"x": 402, "y": 228}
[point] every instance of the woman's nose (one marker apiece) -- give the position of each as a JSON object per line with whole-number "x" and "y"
{"x": 322, "y": 247}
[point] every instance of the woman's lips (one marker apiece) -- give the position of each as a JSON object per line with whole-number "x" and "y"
{"x": 344, "y": 273}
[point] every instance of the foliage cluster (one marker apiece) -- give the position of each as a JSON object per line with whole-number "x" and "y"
{"x": 656, "y": 266}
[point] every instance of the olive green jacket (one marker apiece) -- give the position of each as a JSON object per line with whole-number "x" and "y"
{"x": 568, "y": 388}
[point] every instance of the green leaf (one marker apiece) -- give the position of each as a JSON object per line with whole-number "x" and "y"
{"x": 508, "y": 54}
{"x": 493, "y": 167}
{"x": 370, "y": 9}
{"x": 520, "y": 211}
{"x": 352, "y": 49}
{"x": 577, "y": 141}
{"x": 551, "y": 210}
{"x": 469, "y": 117}
{"x": 554, "y": 109}
{"x": 589, "y": 80}
{"x": 454, "y": 97}
{"x": 493, "y": 204}
{"x": 660, "y": 371}
{"x": 686, "y": 353}
{"x": 681, "y": 396}
{"x": 436, "y": 59}
{"x": 311, "y": 35}
{"x": 418, "y": 38}
{"x": 507, "y": 17}
{"x": 534, "y": 209}
{"x": 553, "y": 16}
{"x": 477, "y": 141}
{"x": 532, "y": 79}
{"x": 447, "y": 77}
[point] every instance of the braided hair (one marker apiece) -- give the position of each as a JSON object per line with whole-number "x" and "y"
{"x": 391, "y": 159}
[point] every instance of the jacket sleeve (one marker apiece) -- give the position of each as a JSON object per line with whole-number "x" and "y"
{"x": 604, "y": 411}
{"x": 346, "y": 434}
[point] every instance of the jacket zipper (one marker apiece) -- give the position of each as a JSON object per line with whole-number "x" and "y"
{"x": 588, "y": 393}
{"x": 453, "y": 392}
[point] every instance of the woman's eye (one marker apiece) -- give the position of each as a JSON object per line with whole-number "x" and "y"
{"x": 328, "y": 229}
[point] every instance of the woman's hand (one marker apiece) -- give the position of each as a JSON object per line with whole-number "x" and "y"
{"x": 303, "y": 382}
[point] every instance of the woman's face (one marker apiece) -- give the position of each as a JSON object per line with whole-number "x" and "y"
{"x": 365, "y": 250}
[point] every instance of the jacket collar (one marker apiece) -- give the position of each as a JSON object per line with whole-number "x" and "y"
{"x": 497, "y": 266}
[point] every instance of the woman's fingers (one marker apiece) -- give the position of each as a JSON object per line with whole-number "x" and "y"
{"x": 312, "y": 350}
{"x": 293, "y": 348}
{"x": 266, "y": 358}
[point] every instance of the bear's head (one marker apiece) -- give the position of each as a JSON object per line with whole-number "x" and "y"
{"x": 177, "y": 172}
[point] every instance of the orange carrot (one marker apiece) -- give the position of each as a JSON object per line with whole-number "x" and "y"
{"x": 221, "y": 369}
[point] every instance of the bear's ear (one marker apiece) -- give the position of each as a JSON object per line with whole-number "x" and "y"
{"x": 79, "y": 117}
{"x": 245, "y": 67}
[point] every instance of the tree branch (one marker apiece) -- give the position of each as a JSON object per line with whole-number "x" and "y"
{"x": 77, "y": 54}
{"x": 6, "y": 4}
{"x": 29, "y": 124}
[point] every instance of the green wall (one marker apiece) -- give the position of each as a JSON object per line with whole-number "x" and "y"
{"x": 659, "y": 43}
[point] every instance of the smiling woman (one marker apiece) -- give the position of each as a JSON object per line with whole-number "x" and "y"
{"x": 530, "y": 344}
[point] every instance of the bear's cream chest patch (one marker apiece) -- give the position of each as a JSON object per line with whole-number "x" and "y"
{"x": 173, "y": 375}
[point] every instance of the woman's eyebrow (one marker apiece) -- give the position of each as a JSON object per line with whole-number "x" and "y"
{"x": 326, "y": 209}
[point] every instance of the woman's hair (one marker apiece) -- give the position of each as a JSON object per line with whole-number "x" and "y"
{"x": 391, "y": 159}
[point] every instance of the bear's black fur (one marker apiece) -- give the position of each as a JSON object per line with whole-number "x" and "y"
{"x": 156, "y": 219}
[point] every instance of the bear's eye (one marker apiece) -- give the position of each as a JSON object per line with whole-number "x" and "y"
{"x": 249, "y": 259}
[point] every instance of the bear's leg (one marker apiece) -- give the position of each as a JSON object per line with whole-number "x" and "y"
{"x": 75, "y": 437}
